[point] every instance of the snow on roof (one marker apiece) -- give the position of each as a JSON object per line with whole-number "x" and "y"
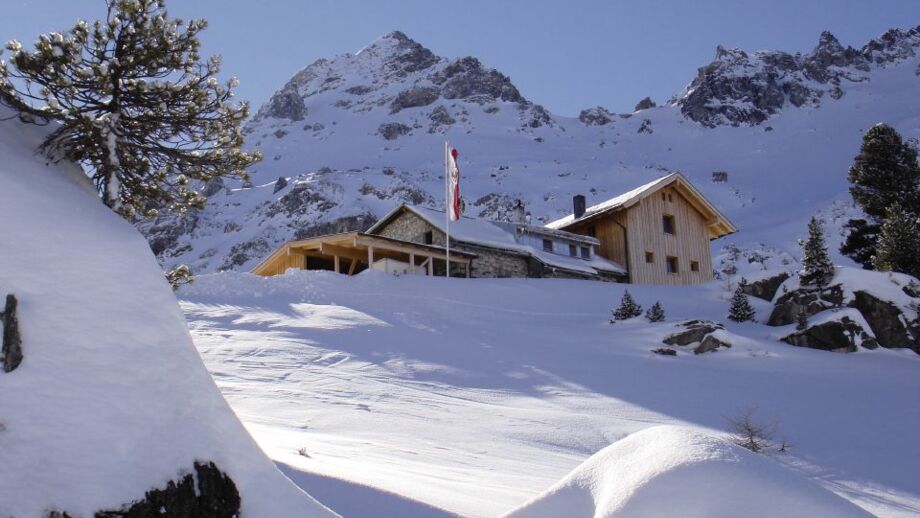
{"x": 506, "y": 236}
{"x": 681, "y": 471}
{"x": 612, "y": 203}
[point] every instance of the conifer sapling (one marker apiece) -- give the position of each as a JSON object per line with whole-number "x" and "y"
{"x": 740, "y": 309}
{"x": 135, "y": 105}
{"x": 627, "y": 308}
{"x": 655, "y": 313}
{"x": 817, "y": 268}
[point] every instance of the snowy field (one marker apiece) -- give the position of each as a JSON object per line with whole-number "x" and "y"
{"x": 386, "y": 396}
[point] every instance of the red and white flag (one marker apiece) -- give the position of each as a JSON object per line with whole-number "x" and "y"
{"x": 453, "y": 183}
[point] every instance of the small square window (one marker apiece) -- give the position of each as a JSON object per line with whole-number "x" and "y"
{"x": 667, "y": 222}
{"x": 585, "y": 252}
{"x": 672, "y": 265}
{"x": 429, "y": 237}
{"x": 694, "y": 266}
{"x": 592, "y": 231}
{"x": 573, "y": 250}
{"x": 547, "y": 245}
{"x": 649, "y": 257}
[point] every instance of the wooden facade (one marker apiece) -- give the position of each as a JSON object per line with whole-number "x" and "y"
{"x": 661, "y": 234}
{"x": 354, "y": 252}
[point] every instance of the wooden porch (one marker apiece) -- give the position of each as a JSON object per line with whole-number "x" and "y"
{"x": 353, "y": 252}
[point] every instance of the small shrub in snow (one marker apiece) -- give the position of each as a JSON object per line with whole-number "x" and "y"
{"x": 303, "y": 452}
{"x": 627, "y": 308}
{"x": 179, "y": 276}
{"x": 740, "y": 309}
{"x": 750, "y": 433}
{"x": 655, "y": 313}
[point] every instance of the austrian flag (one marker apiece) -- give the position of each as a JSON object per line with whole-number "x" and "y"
{"x": 453, "y": 183}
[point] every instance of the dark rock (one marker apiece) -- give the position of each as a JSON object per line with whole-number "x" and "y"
{"x": 766, "y": 288}
{"x": 645, "y": 104}
{"x": 359, "y": 90}
{"x": 912, "y": 289}
{"x": 439, "y": 118}
{"x": 393, "y": 130}
{"x": 466, "y": 78}
{"x": 414, "y": 97}
{"x": 539, "y": 117}
{"x": 241, "y": 253}
{"x": 281, "y": 183}
{"x": 360, "y": 222}
{"x": 595, "y": 116}
{"x": 664, "y": 351}
{"x": 287, "y": 103}
{"x": 886, "y": 320}
{"x": 301, "y": 199}
{"x": 710, "y": 344}
{"x": 833, "y": 335}
{"x": 694, "y": 332}
{"x": 213, "y": 186}
{"x": 11, "y": 351}
{"x": 409, "y": 57}
{"x": 790, "y": 305}
{"x": 645, "y": 127}
{"x": 209, "y": 493}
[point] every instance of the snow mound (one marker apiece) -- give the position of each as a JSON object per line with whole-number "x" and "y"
{"x": 111, "y": 399}
{"x": 678, "y": 471}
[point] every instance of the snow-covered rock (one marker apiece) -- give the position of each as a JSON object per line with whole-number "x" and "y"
{"x": 111, "y": 399}
{"x": 679, "y": 471}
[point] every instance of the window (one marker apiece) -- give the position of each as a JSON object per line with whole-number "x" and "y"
{"x": 585, "y": 252}
{"x": 547, "y": 245}
{"x": 649, "y": 257}
{"x": 573, "y": 250}
{"x": 668, "y": 224}
{"x": 670, "y": 199}
{"x": 694, "y": 266}
{"x": 429, "y": 237}
{"x": 664, "y": 197}
{"x": 592, "y": 231}
{"x": 672, "y": 265}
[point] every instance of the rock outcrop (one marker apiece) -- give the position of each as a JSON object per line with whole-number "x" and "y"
{"x": 765, "y": 288}
{"x": 840, "y": 335}
{"x": 699, "y": 332}
{"x": 11, "y": 352}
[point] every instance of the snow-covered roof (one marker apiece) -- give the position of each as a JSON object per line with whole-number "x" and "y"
{"x": 509, "y": 236}
{"x": 632, "y": 197}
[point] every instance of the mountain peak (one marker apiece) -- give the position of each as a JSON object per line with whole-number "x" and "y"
{"x": 829, "y": 43}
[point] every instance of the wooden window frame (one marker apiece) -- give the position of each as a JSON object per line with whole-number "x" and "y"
{"x": 672, "y": 261}
{"x": 694, "y": 266}
{"x": 585, "y": 252}
{"x": 649, "y": 257}
{"x": 573, "y": 250}
{"x": 668, "y": 220}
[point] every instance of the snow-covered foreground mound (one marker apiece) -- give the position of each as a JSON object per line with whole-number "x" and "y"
{"x": 111, "y": 399}
{"x": 678, "y": 471}
{"x": 475, "y": 395}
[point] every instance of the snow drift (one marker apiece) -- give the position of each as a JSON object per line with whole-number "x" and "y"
{"x": 111, "y": 399}
{"x": 679, "y": 471}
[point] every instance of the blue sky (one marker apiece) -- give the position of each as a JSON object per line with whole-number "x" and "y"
{"x": 566, "y": 55}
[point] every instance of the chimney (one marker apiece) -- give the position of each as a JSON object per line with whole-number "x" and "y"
{"x": 579, "y": 205}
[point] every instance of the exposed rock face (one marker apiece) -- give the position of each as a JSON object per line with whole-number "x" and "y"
{"x": 241, "y": 253}
{"x": 664, "y": 351}
{"x": 347, "y": 224}
{"x": 393, "y": 130}
{"x": 440, "y": 118}
{"x": 695, "y": 331}
{"x": 209, "y": 493}
{"x": 214, "y": 186}
{"x": 597, "y": 116}
{"x": 414, "y": 97}
{"x": 11, "y": 351}
{"x": 281, "y": 183}
{"x": 742, "y": 89}
{"x": 467, "y": 79}
{"x": 833, "y": 335}
{"x": 710, "y": 344}
{"x": 790, "y": 305}
{"x": 766, "y": 288}
{"x": 886, "y": 320}
{"x": 285, "y": 104}
{"x": 645, "y": 104}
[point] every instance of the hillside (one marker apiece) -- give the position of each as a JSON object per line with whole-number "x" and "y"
{"x": 111, "y": 399}
{"x": 355, "y": 134}
{"x": 475, "y": 396}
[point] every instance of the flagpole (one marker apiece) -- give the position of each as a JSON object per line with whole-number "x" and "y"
{"x": 447, "y": 200}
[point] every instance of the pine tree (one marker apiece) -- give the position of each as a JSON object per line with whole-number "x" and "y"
{"x": 135, "y": 105}
{"x": 817, "y": 268}
{"x": 655, "y": 313}
{"x": 740, "y": 309}
{"x": 627, "y": 308}
{"x": 884, "y": 173}
{"x": 898, "y": 243}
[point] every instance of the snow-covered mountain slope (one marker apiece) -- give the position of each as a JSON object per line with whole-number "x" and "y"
{"x": 660, "y": 470}
{"x": 356, "y": 134}
{"x": 111, "y": 399}
{"x": 474, "y": 396}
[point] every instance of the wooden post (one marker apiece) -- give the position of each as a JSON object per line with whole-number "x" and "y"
{"x": 370, "y": 257}
{"x": 352, "y": 266}
{"x": 412, "y": 263}
{"x": 335, "y": 260}
{"x": 467, "y": 269}
{"x": 430, "y": 266}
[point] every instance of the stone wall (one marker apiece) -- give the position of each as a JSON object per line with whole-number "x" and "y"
{"x": 410, "y": 227}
